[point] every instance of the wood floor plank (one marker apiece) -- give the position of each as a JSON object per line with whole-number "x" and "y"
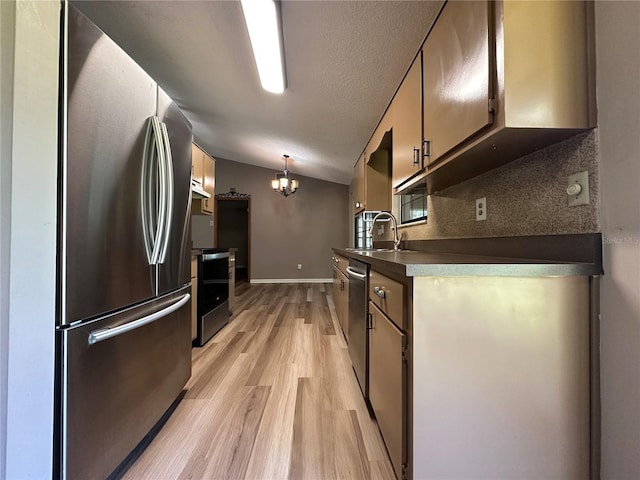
{"x": 349, "y": 457}
{"x": 307, "y": 459}
{"x": 271, "y": 453}
{"x": 232, "y": 445}
{"x": 226, "y": 402}
{"x": 205, "y": 384}
{"x": 272, "y": 396}
{"x": 165, "y": 445}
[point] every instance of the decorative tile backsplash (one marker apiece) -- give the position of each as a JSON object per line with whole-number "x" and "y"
{"x": 524, "y": 197}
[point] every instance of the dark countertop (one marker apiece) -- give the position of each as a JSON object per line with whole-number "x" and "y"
{"x": 421, "y": 263}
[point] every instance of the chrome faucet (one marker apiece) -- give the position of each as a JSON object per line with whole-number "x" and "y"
{"x": 396, "y": 240}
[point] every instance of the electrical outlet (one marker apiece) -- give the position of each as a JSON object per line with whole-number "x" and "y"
{"x": 299, "y": 266}
{"x": 481, "y": 209}
{"x": 381, "y": 230}
{"x": 578, "y": 189}
{"x": 211, "y": 223}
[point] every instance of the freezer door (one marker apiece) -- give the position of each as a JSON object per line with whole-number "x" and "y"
{"x": 175, "y": 269}
{"x": 108, "y": 99}
{"x": 121, "y": 374}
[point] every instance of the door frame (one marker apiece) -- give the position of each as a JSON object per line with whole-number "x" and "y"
{"x": 227, "y": 197}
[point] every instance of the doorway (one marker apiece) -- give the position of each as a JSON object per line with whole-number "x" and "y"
{"x": 232, "y": 217}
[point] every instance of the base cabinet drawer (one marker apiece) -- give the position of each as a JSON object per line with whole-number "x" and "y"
{"x": 388, "y": 384}
{"x": 388, "y": 295}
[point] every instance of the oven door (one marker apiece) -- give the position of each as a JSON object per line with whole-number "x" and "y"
{"x": 213, "y": 281}
{"x": 213, "y": 294}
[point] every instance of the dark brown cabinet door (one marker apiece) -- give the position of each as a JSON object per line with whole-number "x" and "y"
{"x": 406, "y": 109}
{"x": 456, "y": 76}
{"x": 387, "y": 384}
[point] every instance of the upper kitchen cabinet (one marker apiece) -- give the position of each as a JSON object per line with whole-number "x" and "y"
{"x": 378, "y": 167}
{"x": 372, "y": 174}
{"x": 456, "y": 84}
{"x": 406, "y": 108}
{"x": 501, "y": 80}
{"x": 203, "y": 173}
{"x": 358, "y": 185}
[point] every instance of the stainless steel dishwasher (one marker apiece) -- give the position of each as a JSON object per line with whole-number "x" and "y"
{"x": 358, "y": 344}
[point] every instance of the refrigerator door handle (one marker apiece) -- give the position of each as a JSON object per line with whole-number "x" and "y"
{"x": 106, "y": 333}
{"x": 153, "y": 208}
{"x": 169, "y": 184}
{"x": 146, "y": 193}
{"x": 162, "y": 183}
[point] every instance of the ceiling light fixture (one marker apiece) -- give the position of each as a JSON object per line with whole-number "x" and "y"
{"x": 263, "y": 23}
{"x": 282, "y": 183}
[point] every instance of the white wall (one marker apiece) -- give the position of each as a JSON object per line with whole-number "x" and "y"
{"x": 7, "y": 35}
{"x": 32, "y": 287}
{"x": 618, "y": 84}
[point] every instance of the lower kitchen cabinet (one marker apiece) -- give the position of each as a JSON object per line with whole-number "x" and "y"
{"x": 341, "y": 299}
{"x": 232, "y": 280}
{"x": 484, "y": 375}
{"x": 503, "y": 389}
{"x": 341, "y": 292}
{"x": 388, "y": 384}
{"x": 194, "y": 297}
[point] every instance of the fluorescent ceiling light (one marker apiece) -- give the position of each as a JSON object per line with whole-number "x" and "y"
{"x": 261, "y": 17}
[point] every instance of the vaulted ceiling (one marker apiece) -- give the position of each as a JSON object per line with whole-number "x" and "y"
{"x": 344, "y": 61}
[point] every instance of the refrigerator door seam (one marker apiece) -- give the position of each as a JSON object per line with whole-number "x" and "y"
{"x": 106, "y": 333}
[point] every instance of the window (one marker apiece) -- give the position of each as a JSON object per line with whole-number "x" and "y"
{"x": 413, "y": 207}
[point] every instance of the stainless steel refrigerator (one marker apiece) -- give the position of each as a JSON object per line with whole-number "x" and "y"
{"x": 123, "y": 333}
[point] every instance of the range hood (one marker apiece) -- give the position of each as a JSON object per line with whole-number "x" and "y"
{"x": 197, "y": 191}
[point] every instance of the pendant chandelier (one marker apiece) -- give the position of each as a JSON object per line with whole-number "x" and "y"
{"x": 282, "y": 183}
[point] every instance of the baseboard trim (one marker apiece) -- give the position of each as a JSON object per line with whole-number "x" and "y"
{"x": 291, "y": 280}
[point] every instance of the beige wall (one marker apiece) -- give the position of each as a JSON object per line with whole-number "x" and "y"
{"x": 286, "y": 231}
{"x": 7, "y": 34}
{"x": 618, "y": 80}
{"x": 32, "y": 251}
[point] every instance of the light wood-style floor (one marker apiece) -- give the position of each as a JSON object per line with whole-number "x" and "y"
{"x": 272, "y": 396}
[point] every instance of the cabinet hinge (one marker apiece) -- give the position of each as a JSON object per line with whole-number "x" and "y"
{"x": 492, "y": 105}
{"x": 404, "y": 471}
{"x": 404, "y": 354}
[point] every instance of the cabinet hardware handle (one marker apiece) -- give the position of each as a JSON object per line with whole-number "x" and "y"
{"x": 426, "y": 148}
{"x": 416, "y": 156}
{"x": 371, "y": 325}
{"x": 378, "y": 291}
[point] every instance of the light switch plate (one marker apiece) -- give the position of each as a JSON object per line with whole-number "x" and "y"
{"x": 581, "y": 198}
{"x": 481, "y": 209}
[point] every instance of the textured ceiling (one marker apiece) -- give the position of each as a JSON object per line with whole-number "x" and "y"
{"x": 344, "y": 61}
